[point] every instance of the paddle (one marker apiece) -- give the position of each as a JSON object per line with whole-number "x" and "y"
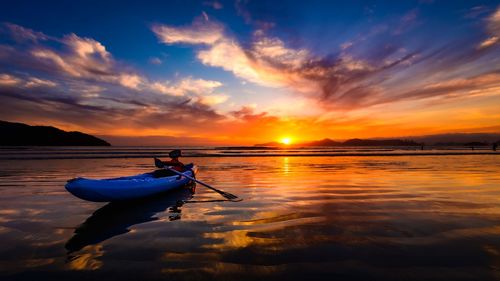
{"x": 227, "y": 195}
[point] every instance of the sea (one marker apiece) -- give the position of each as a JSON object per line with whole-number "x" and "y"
{"x": 320, "y": 213}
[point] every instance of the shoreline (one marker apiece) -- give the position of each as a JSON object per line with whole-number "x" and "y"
{"x": 214, "y": 155}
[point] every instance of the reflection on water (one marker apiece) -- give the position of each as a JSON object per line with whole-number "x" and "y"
{"x": 88, "y": 260}
{"x": 115, "y": 218}
{"x": 302, "y": 218}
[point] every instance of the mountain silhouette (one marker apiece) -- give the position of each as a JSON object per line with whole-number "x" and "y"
{"x": 19, "y": 134}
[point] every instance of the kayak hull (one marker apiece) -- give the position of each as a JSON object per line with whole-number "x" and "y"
{"x": 125, "y": 188}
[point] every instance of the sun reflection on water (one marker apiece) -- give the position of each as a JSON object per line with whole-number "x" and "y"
{"x": 90, "y": 260}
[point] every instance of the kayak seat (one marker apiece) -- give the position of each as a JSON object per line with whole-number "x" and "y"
{"x": 161, "y": 173}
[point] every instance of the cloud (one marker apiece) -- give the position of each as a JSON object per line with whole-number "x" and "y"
{"x": 269, "y": 62}
{"x": 71, "y": 57}
{"x": 213, "y": 4}
{"x": 202, "y": 31}
{"x": 213, "y": 99}
{"x": 240, "y": 64}
{"x": 34, "y": 82}
{"x": 87, "y": 48}
{"x": 494, "y": 22}
{"x": 131, "y": 80}
{"x": 482, "y": 84}
{"x": 241, "y": 9}
{"x": 21, "y": 34}
{"x": 408, "y": 21}
{"x": 345, "y": 80}
{"x": 488, "y": 42}
{"x": 29, "y": 82}
{"x": 476, "y": 11}
{"x": 493, "y": 28}
{"x": 186, "y": 86}
{"x": 273, "y": 49}
{"x": 8, "y": 80}
{"x": 84, "y": 57}
{"x": 155, "y": 61}
{"x": 73, "y": 81}
{"x": 135, "y": 117}
{"x": 205, "y": 16}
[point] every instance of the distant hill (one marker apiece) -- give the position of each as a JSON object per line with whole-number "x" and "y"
{"x": 19, "y": 134}
{"x": 351, "y": 142}
{"x": 269, "y": 144}
{"x": 389, "y": 142}
{"x": 458, "y": 139}
{"x": 323, "y": 142}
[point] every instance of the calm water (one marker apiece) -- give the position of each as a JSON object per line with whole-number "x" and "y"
{"x": 302, "y": 218}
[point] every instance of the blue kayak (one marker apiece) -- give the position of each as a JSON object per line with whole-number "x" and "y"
{"x": 125, "y": 188}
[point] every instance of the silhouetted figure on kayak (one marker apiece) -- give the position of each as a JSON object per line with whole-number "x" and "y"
{"x": 173, "y": 162}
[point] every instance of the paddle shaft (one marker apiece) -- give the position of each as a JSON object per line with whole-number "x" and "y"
{"x": 200, "y": 182}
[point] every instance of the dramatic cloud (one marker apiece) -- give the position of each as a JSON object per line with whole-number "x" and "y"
{"x": 86, "y": 59}
{"x": 269, "y": 62}
{"x": 344, "y": 80}
{"x": 82, "y": 58}
{"x": 78, "y": 82}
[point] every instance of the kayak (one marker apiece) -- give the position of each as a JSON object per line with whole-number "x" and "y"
{"x": 125, "y": 188}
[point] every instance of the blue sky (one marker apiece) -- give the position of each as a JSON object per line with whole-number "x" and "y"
{"x": 315, "y": 69}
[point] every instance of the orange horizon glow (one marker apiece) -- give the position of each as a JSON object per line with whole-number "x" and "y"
{"x": 258, "y": 128}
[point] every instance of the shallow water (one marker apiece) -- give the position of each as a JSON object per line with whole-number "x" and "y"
{"x": 302, "y": 218}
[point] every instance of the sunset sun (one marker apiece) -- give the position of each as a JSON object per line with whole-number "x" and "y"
{"x": 286, "y": 141}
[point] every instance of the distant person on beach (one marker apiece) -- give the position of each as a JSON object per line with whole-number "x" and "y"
{"x": 173, "y": 162}
{"x": 495, "y": 146}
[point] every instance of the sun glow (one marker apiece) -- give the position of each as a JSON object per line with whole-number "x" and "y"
{"x": 286, "y": 141}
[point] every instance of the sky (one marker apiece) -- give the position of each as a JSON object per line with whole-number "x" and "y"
{"x": 244, "y": 72}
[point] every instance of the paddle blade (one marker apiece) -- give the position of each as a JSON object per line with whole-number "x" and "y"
{"x": 158, "y": 163}
{"x": 229, "y": 195}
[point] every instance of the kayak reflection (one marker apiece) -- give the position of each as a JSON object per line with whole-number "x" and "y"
{"x": 115, "y": 218}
